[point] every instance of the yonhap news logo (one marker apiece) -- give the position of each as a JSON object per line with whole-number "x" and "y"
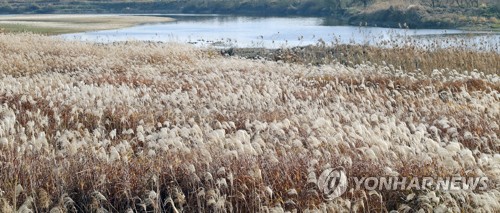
{"x": 333, "y": 183}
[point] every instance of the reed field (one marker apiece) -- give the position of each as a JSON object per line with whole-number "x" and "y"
{"x": 451, "y": 52}
{"x": 164, "y": 127}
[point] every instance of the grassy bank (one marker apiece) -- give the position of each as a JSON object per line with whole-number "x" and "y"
{"x": 414, "y": 16}
{"x": 150, "y": 127}
{"x": 407, "y": 58}
{"x": 58, "y": 24}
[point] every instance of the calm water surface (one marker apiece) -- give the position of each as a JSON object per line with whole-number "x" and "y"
{"x": 272, "y": 32}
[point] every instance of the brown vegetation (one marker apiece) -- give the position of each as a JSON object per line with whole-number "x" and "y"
{"x": 147, "y": 127}
{"x": 410, "y": 57}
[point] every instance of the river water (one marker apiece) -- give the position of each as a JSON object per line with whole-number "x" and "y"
{"x": 275, "y": 32}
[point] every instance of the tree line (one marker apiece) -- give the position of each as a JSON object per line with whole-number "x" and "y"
{"x": 280, "y": 7}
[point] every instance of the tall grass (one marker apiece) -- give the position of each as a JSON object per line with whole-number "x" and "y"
{"x": 147, "y": 127}
{"x": 408, "y": 53}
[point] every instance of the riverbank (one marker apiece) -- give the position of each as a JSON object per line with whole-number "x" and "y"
{"x": 405, "y": 58}
{"x": 59, "y": 24}
{"x": 418, "y": 16}
{"x": 386, "y": 13}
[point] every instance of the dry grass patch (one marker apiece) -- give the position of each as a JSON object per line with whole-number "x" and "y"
{"x": 165, "y": 127}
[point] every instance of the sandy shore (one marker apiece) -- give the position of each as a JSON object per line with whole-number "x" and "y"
{"x": 59, "y": 24}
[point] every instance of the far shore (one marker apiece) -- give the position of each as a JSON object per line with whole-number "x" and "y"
{"x": 60, "y": 24}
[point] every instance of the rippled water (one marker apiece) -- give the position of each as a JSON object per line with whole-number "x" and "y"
{"x": 272, "y": 32}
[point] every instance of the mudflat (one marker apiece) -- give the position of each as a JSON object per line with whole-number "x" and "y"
{"x": 59, "y": 24}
